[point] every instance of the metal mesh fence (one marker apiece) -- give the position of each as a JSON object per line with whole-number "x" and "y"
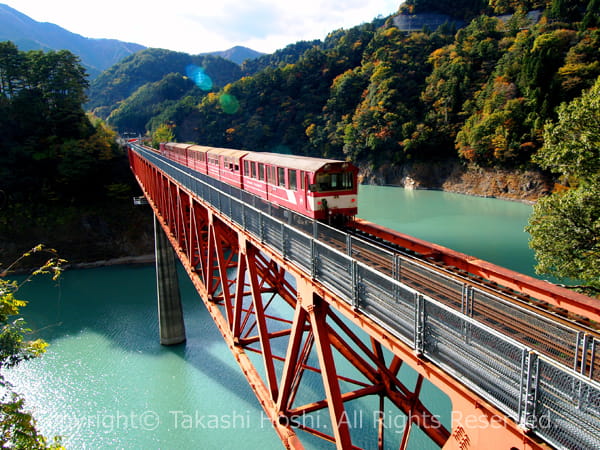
{"x": 237, "y": 212}
{"x": 429, "y": 282}
{"x": 330, "y": 236}
{"x": 378, "y": 258}
{"x": 334, "y": 269}
{"x": 302, "y": 223}
{"x": 567, "y": 409}
{"x": 552, "y": 338}
{"x": 273, "y": 233}
{"x": 252, "y": 221}
{"x": 489, "y": 362}
{"x": 299, "y": 250}
{"x": 388, "y": 301}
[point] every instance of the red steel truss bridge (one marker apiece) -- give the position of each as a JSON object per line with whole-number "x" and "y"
{"x": 341, "y": 333}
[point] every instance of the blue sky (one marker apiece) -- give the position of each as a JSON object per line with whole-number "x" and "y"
{"x": 206, "y": 25}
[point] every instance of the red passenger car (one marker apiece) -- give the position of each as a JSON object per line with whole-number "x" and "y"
{"x": 176, "y": 152}
{"x": 318, "y": 188}
{"x": 323, "y": 189}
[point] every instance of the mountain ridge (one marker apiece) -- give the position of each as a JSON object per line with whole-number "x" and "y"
{"x": 28, "y": 34}
{"x": 96, "y": 55}
{"x": 237, "y": 54}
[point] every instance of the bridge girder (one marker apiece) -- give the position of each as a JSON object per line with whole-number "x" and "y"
{"x": 256, "y": 298}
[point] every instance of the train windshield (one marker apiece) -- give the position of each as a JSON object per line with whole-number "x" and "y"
{"x": 340, "y": 181}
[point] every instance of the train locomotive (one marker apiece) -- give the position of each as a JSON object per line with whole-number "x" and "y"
{"x": 322, "y": 189}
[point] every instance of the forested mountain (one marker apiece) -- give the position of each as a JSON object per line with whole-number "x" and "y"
{"x": 109, "y": 93}
{"x": 380, "y": 95}
{"x": 96, "y": 54}
{"x": 288, "y": 55}
{"x": 237, "y": 54}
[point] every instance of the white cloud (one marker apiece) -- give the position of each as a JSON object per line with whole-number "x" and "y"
{"x": 203, "y": 26}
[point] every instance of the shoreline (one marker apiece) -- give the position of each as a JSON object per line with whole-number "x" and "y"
{"x": 468, "y": 194}
{"x": 123, "y": 260}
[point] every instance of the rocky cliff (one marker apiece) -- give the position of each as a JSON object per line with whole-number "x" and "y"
{"x": 453, "y": 176}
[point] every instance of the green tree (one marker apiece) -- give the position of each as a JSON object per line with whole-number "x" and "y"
{"x": 164, "y": 133}
{"x": 11, "y": 69}
{"x": 565, "y": 226}
{"x": 17, "y": 426}
{"x": 572, "y": 144}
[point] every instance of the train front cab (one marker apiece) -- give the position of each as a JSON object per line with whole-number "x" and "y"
{"x": 320, "y": 189}
{"x": 333, "y": 192}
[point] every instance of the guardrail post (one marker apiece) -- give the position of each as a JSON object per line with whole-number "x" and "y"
{"x": 593, "y": 358}
{"x": 244, "y": 220}
{"x": 349, "y": 245}
{"x": 419, "y": 336}
{"x": 285, "y": 240}
{"x": 261, "y": 228}
{"x": 356, "y": 287}
{"x": 466, "y": 306}
{"x": 529, "y": 383}
{"x": 397, "y": 267}
{"x": 313, "y": 259}
{"x": 576, "y": 356}
{"x": 396, "y": 275}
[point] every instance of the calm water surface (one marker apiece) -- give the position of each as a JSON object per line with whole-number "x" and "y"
{"x": 106, "y": 382}
{"x": 488, "y": 228}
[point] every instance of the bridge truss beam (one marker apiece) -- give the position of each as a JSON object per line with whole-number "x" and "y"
{"x": 285, "y": 330}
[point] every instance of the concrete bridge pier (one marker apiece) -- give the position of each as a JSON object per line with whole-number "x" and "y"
{"x": 170, "y": 313}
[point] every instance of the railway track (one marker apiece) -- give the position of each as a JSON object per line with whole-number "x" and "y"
{"x": 513, "y": 314}
{"x": 522, "y": 317}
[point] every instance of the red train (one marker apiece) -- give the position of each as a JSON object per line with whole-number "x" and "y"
{"x": 323, "y": 189}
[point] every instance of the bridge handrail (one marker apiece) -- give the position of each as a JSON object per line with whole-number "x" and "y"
{"x": 551, "y": 400}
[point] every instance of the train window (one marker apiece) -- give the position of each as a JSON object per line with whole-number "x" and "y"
{"x": 281, "y": 176}
{"x": 246, "y": 168}
{"x": 261, "y": 171}
{"x": 334, "y": 181}
{"x": 271, "y": 174}
{"x": 292, "y": 179}
{"x": 302, "y": 175}
{"x": 253, "y": 166}
{"x": 236, "y": 167}
{"x": 347, "y": 180}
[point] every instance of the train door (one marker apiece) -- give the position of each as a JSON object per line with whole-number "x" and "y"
{"x": 304, "y": 188}
{"x": 271, "y": 180}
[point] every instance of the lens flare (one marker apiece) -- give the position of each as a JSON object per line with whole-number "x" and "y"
{"x": 229, "y": 103}
{"x": 198, "y": 76}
